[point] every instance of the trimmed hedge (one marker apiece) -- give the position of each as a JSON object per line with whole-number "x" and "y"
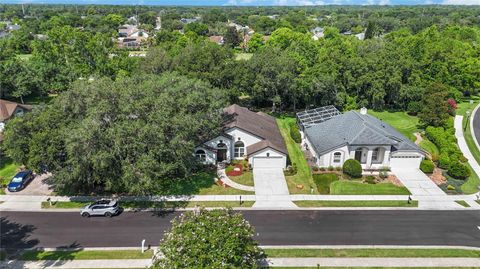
{"x": 458, "y": 170}
{"x": 352, "y": 168}
{"x": 295, "y": 133}
{"x": 427, "y": 166}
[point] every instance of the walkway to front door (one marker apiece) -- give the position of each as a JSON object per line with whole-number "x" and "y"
{"x": 271, "y": 190}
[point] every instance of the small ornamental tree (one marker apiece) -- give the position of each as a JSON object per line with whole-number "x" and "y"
{"x": 209, "y": 239}
{"x": 452, "y": 106}
{"x": 352, "y": 168}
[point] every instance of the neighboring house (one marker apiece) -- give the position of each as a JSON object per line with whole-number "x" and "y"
{"x": 9, "y": 110}
{"x": 217, "y": 39}
{"x": 131, "y": 37}
{"x": 127, "y": 30}
{"x": 360, "y": 36}
{"x": 318, "y": 32}
{"x": 332, "y": 137}
{"x": 187, "y": 20}
{"x": 246, "y": 134}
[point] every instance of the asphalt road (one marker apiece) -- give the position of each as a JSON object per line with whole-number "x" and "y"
{"x": 414, "y": 227}
{"x": 476, "y": 125}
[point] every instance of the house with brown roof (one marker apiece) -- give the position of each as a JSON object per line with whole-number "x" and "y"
{"x": 246, "y": 135}
{"x": 11, "y": 109}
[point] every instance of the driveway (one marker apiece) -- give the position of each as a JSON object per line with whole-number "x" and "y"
{"x": 38, "y": 186}
{"x": 417, "y": 182}
{"x": 271, "y": 190}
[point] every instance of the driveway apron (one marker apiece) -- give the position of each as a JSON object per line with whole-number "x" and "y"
{"x": 271, "y": 190}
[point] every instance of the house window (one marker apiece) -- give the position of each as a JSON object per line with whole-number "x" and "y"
{"x": 200, "y": 154}
{"x": 268, "y": 154}
{"x": 337, "y": 157}
{"x": 377, "y": 155}
{"x": 239, "y": 149}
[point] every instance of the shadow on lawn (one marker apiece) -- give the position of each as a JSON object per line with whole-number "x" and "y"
{"x": 62, "y": 255}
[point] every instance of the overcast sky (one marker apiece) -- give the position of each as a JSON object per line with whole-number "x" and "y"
{"x": 251, "y": 2}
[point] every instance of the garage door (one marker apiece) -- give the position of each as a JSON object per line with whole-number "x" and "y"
{"x": 405, "y": 162}
{"x": 268, "y": 162}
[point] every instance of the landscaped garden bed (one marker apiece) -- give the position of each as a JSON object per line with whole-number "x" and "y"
{"x": 240, "y": 172}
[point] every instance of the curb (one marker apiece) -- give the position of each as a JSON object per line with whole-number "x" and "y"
{"x": 472, "y": 116}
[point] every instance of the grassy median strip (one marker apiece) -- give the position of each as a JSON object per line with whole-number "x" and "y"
{"x": 376, "y": 203}
{"x": 373, "y": 253}
{"x": 36, "y": 255}
{"x": 146, "y": 204}
{"x": 462, "y": 203}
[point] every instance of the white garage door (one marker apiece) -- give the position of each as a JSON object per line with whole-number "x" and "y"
{"x": 268, "y": 162}
{"x": 405, "y": 162}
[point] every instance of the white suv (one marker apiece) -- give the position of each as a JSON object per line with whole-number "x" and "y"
{"x": 107, "y": 208}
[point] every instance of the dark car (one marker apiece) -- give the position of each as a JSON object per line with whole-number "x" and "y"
{"x": 20, "y": 180}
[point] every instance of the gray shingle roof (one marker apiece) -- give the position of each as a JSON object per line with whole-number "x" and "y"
{"x": 353, "y": 128}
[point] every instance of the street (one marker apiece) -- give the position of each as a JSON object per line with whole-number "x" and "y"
{"x": 328, "y": 227}
{"x": 476, "y": 125}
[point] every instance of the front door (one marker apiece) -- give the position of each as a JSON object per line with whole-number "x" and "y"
{"x": 358, "y": 155}
{"x": 221, "y": 155}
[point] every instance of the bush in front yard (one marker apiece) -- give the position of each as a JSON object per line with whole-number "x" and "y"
{"x": 444, "y": 161}
{"x": 323, "y": 182}
{"x": 295, "y": 133}
{"x": 427, "y": 166}
{"x": 352, "y": 168}
{"x": 458, "y": 170}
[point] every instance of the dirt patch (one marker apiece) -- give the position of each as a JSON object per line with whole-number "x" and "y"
{"x": 437, "y": 176}
{"x": 418, "y": 138}
{"x": 394, "y": 180}
{"x": 38, "y": 186}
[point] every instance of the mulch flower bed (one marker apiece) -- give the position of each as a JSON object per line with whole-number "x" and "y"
{"x": 237, "y": 171}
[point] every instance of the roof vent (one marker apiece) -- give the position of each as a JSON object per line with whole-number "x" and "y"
{"x": 363, "y": 111}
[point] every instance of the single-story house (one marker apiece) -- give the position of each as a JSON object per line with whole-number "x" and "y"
{"x": 246, "y": 134}
{"x": 332, "y": 137}
{"x": 9, "y": 110}
{"x": 217, "y": 39}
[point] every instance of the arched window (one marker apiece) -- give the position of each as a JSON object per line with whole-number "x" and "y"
{"x": 200, "y": 154}
{"x": 377, "y": 156}
{"x": 239, "y": 149}
{"x": 337, "y": 157}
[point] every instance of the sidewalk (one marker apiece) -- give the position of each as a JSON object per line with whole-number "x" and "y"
{"x": 273, "y": 262}
{"x": 463, "y": 144}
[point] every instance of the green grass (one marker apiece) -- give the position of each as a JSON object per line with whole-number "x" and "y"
{"x": 358, "y": 188}
{"x": 34, "y": 255}
{"x": 245, "y": 179}
{"x": 472, "y": 183}
{"x": 148, "y": 204}
{"x": 323, "y": 182}
{"x": 404, "y": 123}
{"x": 428, "y": 146}
{"x": 243, "y": 56}
{"x": 389, "y": 203}
{"x": 464, "y": 106}
{"x": 24, "y": 57}
{"x": 462, "y": 203}
{"x": 373, "y": 252}
{"x": 303, "y": 175}
{"x": 8, "y": 169}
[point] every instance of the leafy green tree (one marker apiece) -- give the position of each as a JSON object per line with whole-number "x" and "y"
{"x": 232, "y": 38}
{"x": 209, "y": 239}
{"x": 134, "y": 135}
{"x": 435, "y": 107}
{"x": 255, "y": 43}
{"x": 198, "y": 28}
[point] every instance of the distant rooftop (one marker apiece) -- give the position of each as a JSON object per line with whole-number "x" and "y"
{"x": 315, "y": 116}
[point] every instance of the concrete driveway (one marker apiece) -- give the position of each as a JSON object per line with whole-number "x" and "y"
{"x": 271, "y": 190}
{"x": 38, "y": 186}
{"x": 417, "y": 182}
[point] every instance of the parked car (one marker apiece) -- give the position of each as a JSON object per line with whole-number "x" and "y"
{"x": 107, "y": 208}
{"x": 20, "y": 180}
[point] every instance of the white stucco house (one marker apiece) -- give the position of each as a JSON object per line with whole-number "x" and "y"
{"x": 246, "y": 134}
{"x": 332, "y": 137}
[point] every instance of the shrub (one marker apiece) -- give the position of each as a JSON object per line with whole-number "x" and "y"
{"x": 338, "y": 168}
{"x": 444, "y": 161}
{"x": 450, "y": 187}
{"x": 330, "y": 168}
{"x": 427, "y": 166}
{"x": 458, "y": 170}
{"x": 352, "y": 168}
{"x": 322, "y": 169}
{"x": 295, "y": 133}
{"x": 414, "y": 108}
{"x": 383, "y": 174}
{"x": 370, "y": 180}
{"x": 315, "y": 168}
{"x": 291, "y": 170}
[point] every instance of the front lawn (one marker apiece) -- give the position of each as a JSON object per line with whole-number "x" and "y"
{"x": 428, "y": 146}
{"x": 152, "y": 204}
{"x": 202, "y": 183}
{"x": 358, "y": 203}
{"x": 245, "y": 179}
{"x": 34, "y": 255}
{"x": 401, "y": 121}
{"x": 373, "y": 252}
{"x": 348, "y": 187}
{"x": 472, "y": 183}
{"x": 323, "y": 182}
{"x": 303, "y": 176}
